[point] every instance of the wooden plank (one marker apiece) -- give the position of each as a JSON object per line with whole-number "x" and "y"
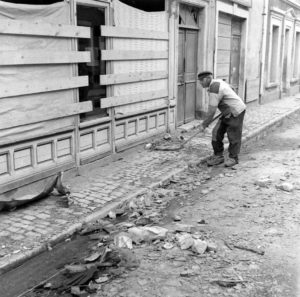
{"x": 30, "y": 57}
{"x": 40, "y": 86}
{"x": 45, "y": 114}
{"x": 38, "y": 28}
{"x": 109, "y": 55}
{"x": 122, "y": 32}
{"x": 134, "y": 98}
{"x": 111, "y": 79}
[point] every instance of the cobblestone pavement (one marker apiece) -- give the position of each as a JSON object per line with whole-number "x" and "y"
{"x": 29, "y": 230}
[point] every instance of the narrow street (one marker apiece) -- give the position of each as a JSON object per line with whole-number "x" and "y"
{"x": 246, "y": 221}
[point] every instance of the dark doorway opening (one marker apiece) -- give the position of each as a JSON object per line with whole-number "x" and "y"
{"x": 147, "y": 5}
{"x": 93, "y": 18}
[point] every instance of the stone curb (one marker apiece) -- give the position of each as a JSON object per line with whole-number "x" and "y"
{"x": 16, "y": 260}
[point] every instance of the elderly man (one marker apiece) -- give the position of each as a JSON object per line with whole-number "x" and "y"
{"x": 232, "y": 108}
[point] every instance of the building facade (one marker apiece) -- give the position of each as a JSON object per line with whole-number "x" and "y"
{"x": 84, "y": 79}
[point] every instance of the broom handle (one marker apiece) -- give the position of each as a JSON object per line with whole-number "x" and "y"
{"x": 200, "y": 131}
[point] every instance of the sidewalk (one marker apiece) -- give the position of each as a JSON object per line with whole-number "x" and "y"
{"x": 102, "y": 186}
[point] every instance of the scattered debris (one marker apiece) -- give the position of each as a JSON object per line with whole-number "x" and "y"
{"x": 199, "y": 246}
{"x": 185, "y": 241}
{"x": 227, "y": 283}
{"x": 285, "y": 187}
{"x": 122, "y": 240}
{"x": 263, "y": 182}
{"x": 53, "y": 183}
{"x": 250, "y": 249}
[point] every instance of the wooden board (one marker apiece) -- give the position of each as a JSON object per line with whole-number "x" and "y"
{"x": 128, "y": 99}
{"x": 111, "y": 79}
{"x": 45, "y": 114}
{"x": 109, "y": 55}
{"x": 133, "y": 33}
{"x": 31, "y": 57}
{"x": 43, "y": 29}
{"x": 36, "y": 86}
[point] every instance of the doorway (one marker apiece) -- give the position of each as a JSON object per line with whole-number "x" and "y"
{"x": 187, "y": 64}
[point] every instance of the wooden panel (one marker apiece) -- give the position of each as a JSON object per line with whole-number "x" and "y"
{"x": 48, "y": 85}
{"x": 23, "y": 158}
{"x": 43, "y": 29}
{"x": 120, "y": 131}
{"x": 132, "y": 128}
{"x": 223, "y": 57}
{"x": 102, "y": 136}
{"x": 128, "y": 99}
{"x": 153, "y": 122}
{"x": 142, "y": 125}
{"x": 86, "y": 141}
{"x": 44, "y": 114}
{"x": 224, "y": 43}
{"x": 44, "y": 152}
{"x": 225, "y": 18}
{"x": 161, "y": 119}
{"x": 224, "y": 30}
{"x": 108, "y": 55}
{"x": 31, "y": 57}
{"x": 64, "y": 147}
{"x": 133, "y": 33}
{"x": 223, "y": 69}
{"x": 111, "y": 79}
{"x": 3, "y": 164}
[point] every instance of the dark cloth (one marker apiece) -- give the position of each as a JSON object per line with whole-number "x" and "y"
{"x": 233, "y": 126}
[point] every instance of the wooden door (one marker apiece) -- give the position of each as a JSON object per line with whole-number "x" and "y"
{"x": 235, "y": 62}
{"x": 187, "y": 75}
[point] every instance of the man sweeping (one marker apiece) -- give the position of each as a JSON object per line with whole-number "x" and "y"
{"x": 232, "y": 108}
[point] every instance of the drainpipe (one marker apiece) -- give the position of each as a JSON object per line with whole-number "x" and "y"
{"x": 263, "y": 49}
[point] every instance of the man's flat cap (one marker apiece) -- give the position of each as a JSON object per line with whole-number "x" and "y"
{"x": 204, "y": 74}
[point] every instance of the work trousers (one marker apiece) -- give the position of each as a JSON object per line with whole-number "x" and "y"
{"x": 233, "y": 126}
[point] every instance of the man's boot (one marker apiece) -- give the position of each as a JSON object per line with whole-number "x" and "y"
{"x": 231, "y": 162}
{"x": 215, "y": 160}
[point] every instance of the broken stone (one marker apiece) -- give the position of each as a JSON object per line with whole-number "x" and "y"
{"x": 132, "y": 205}
{"x": 112, "y": 215}
{"x": 148, "y": 146}
{"x": 185, "y": 228}
{"x": 188, "y": 272}
{"x": 76, "y": 291}
{"x": 185, "y": 241}
{"x": 285, "y": 187}
{"x": 202, "y": 221}
{"x": 93, "y": 257}
{"x": 263, "y": 182}
{"x": 211, "y": 247}
{"x": 167, "y": 136}
{"x": 199, "y": 246}
{"x": 139, "y": 234}
{"x": 122, "y": 240}
{"x": 102, "y": 279}
{"x": 205, "y": 191}
{"x": 168, "y": 246}
{"x": 177, "y": 218}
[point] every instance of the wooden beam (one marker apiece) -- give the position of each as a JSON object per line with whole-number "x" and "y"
{"x": 38, "y": 28}
{"x": 41, "y": 86}
{"x": 132, "y": 98}
{"x": 120, "y": 32}
{"x": 108, "y": 55}
{"x": 31, "y": 57}
{"x": 112, "y": 79}
{"x": 43, "y": 114}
